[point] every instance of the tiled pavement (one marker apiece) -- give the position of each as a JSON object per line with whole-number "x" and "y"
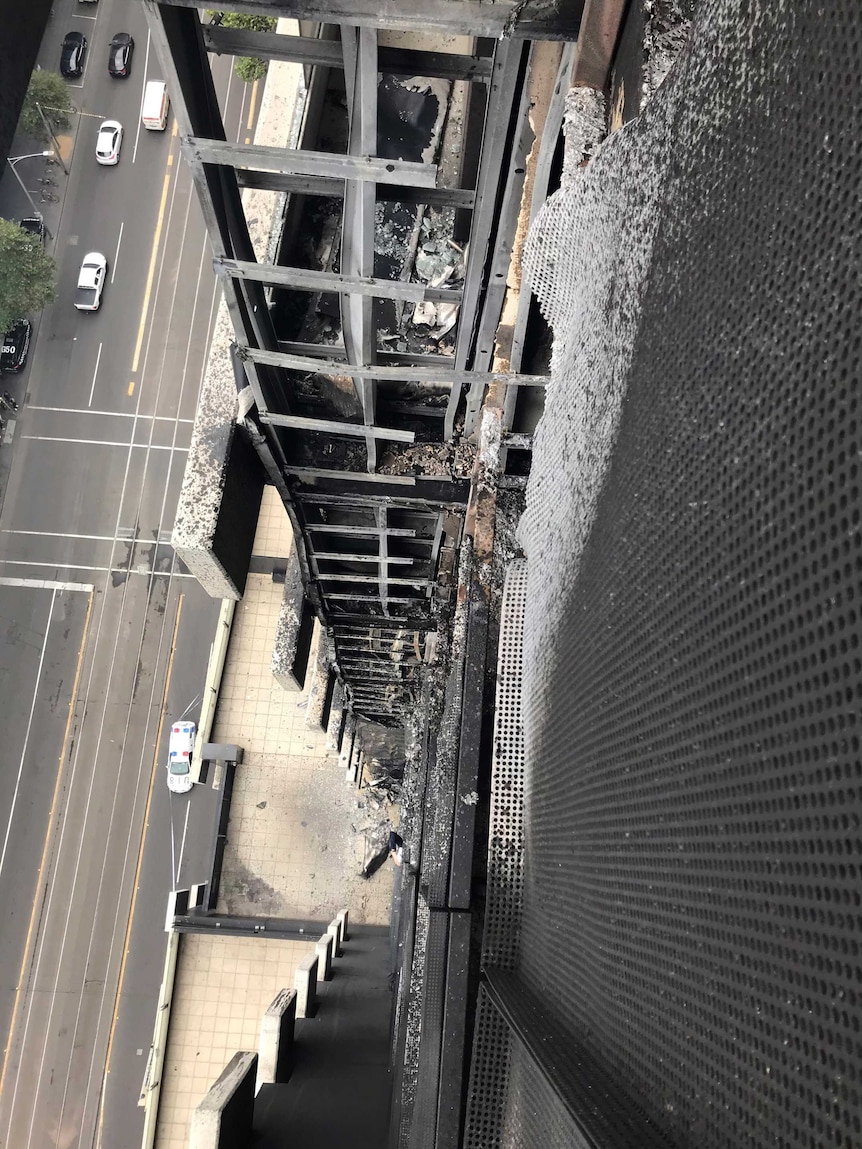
{"x": 291, "y": 852}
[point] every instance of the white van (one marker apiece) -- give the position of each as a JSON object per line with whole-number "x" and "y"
{"x": 154, "y": 112}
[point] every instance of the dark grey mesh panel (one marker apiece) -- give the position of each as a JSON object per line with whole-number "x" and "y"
{"x": 695, "y": 789}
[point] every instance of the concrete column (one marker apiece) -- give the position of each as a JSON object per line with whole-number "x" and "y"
{"x": 275, "y": 1052}
{"x": 224, "y": 1118}
{"x": 319, "y": 673}
{"x": 334, "y": 928}
{"x": 324, "y": 948}
{"x": 335, "y": 726}
{"x": 342, "y": 917}
{"x": 346, "y": 756}
{"x": 294, "y": 630}
{"x": 306, "y": 987}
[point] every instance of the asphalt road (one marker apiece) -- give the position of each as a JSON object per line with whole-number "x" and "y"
{"x": 103, "y": 634}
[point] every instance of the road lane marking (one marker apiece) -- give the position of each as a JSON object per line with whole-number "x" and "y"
{"x": 152, "y": 271}
{"x": 117, "y": 252}
{"x": 112, "y": 414}
{"x": 99, "y": 570}
{"x": 185, "y": 831}
{"x": 101, "y": 443}
{"x": 17, "y": 789}
{"x": 131, "y": 388}
{"x": 95, "y": 373}
{"x": 136, "y": 883}
{"x": 47, "y": 584}
{"x": 171, "y": 160}
{"x": 19, "y": 989}
{"x": 122, "y": 538}
{"x": 254, "y": 89}
{"x": 143, "y": 89}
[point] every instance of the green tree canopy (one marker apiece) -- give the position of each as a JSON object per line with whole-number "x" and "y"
{"x": 249, "y": 68}
{"x": 249, "y": 22}
{"x": 26, "y": 274}
{"x": 51, "y": 92}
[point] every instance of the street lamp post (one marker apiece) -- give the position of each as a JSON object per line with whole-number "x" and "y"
{"x": 12, "y": 161}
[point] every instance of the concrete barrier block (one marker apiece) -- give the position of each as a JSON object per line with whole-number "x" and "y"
{"x": 323, "y": 948}
{"x": 334, "y": 928}
{"x": 275, "y": 1051}
{"x": 306, "y": 987}
{"x": 342, "y": 916}
{"x": 224, "y": 1118}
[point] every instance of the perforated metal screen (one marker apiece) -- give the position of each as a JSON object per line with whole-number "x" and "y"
{"x": 692, "y": 886}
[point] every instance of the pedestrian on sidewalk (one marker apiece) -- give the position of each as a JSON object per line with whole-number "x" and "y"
{"x": 9, "y": 402}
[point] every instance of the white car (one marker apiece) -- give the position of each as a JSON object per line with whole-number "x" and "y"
{"x": 109, "y": 142}
{"x": 91, "y": 281}
{"x": 180, "y": 749}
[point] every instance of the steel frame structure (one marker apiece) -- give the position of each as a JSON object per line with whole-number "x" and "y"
{"x": 375, "y": 541}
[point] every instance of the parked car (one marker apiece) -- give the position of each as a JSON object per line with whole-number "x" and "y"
{"x": 180, "y": 748}
{"x": 120, "y": 55}
{"x": 72, "y": 55}
{"x": 16, "y": 344}
{"x": 109, "y": 142}
{"x": 34, "y": 225}
{"x": 91, "y": 281}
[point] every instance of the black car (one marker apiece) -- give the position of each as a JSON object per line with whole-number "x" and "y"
{"x": 34, "y": 226}
{"x": 72, "y": 55}
{"x": 120, "y": 55}
{"x": 16, "y": 344}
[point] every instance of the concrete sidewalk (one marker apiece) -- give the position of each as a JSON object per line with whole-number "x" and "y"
{"x": 291, "y": 852}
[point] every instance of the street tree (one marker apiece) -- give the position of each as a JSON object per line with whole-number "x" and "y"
{"x": 51, "y": 93}
{"x": 26, "y": 274}
{"x": 249, "y": 68}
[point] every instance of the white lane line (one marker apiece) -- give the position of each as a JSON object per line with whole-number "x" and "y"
{"x": 183, "y": 842}
{"x": 95, "y": 373}
{"x": 17, "y": 789}
{"x": 117, "y": 252}
{"x": 141, "y": 108}
{"x": 112, "y": 414}
{"x": 78, "y": 16}
{"x": 63, "y": 535}
{"x": 47, "y": 584}
{"x": 99, "y": 570}
{"x": 101, "y": 443}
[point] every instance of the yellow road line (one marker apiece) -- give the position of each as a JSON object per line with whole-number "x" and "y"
{"x": 37, "y": 901}
{"x": 116, "y": 1013}
{"x": 131, "y": 389}
{"x": 152, "y": 271}
{"x": 251, "y": 105}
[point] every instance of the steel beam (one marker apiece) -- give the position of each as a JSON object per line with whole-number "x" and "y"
{"x": 501, "y": 248}
{"x": 331, "y": 188}
{"x": 305, "y": 279}
{"x": 521, "y": 19}
{"x": 503, "y": 87}
{"x": 338, "y": 354}
{"x": 398, "y": 373}
{"x": 334, "y": 529}
{"x": 355, "y": 476}
{"x": 357, "y": 221}
{"x": 334, "y": 427}
{"x": 335, "y": 556}
{"x": 302, "y": 162}
{"x": 371, "y": 578}
{"x": 309, "y": 51}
